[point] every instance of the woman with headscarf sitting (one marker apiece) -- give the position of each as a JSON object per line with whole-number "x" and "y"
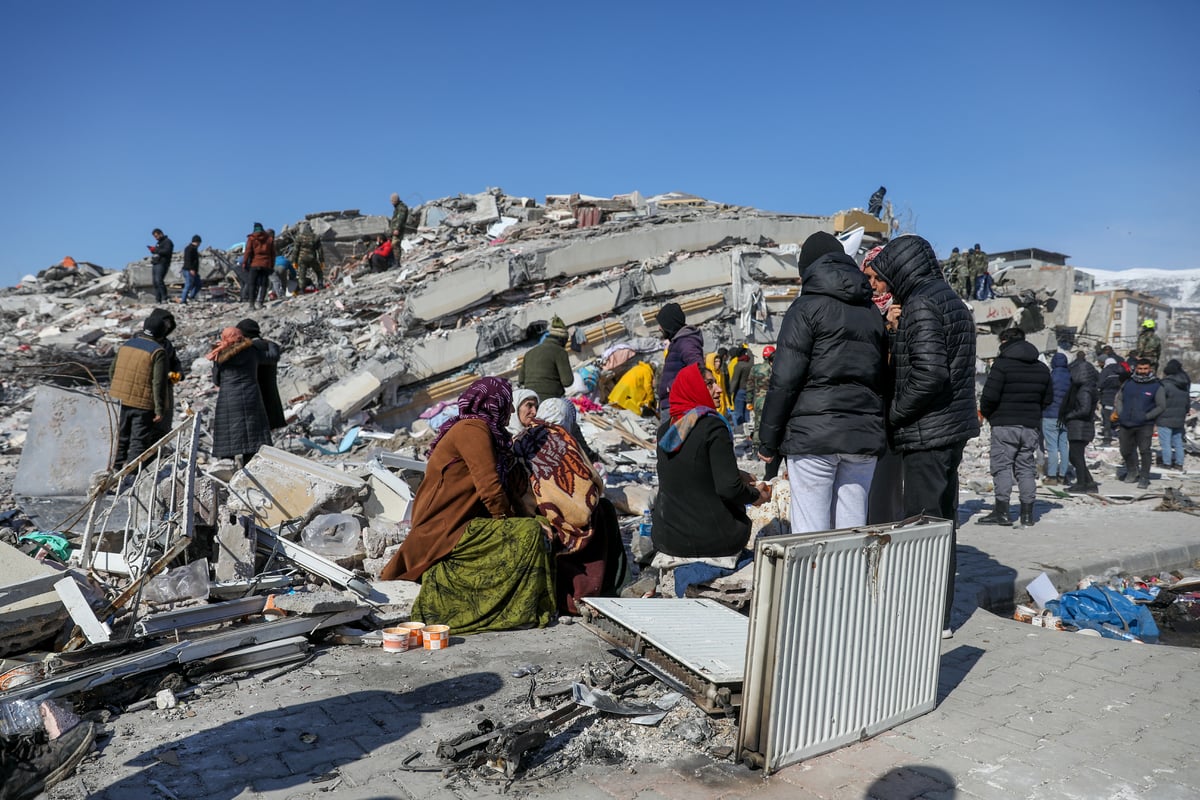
{"x": 563, "y": 487}
{"x": 700, "y": 522}
{"x": 525, "y": 407}
{"x": 480, "y": 567}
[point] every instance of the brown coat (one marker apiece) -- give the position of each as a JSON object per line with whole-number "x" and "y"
{"x": 260, "y": 251}
{"x": 461, "y": 484}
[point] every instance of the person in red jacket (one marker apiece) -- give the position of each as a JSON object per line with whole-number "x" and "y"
{"x": 259, "y": 260}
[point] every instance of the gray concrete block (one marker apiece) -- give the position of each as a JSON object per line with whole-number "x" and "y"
{"x": 70, "y": 436}
{"x": 318, "y": 602}
{"x": 349, "y": 228}
{"x": 235, "y": 554}
{"x": 278, "y": 486}
{"x": 27, "y": 617}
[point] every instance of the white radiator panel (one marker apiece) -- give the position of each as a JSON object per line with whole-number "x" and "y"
{"x": 845, "y": 634}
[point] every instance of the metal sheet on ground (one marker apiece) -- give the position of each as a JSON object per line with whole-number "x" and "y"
{"x": 702, "y": 635}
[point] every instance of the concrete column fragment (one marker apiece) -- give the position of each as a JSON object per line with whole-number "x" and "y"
{"x": 277, "y": 486}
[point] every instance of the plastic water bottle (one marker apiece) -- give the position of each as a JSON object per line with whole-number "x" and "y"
{"x": 19, "y": 717}
{"x": 642, "y": 546}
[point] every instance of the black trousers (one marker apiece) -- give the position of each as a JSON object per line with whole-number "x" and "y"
{"x": 138, "y": 431}
{"x": 158, "y": 273}
{"x": 1135, "y": 442}
{"x": 931, "y": 487}
{"x": 260, "y": 281}
{"x": 1075, "y": 448}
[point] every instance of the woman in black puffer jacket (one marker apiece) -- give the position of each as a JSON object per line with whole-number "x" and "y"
{"x": 1176, "y": 385}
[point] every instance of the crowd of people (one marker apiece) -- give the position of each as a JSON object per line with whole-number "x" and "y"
{"x": 867, "y": 396}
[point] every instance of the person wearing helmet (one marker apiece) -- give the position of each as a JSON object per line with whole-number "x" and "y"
{"x": 1149, "y": 346}
{"x": 756, "y": 390}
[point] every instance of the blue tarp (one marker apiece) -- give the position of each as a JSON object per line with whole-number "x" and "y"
{"x": 1106, "y": 611}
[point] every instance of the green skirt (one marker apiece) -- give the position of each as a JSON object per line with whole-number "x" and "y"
{"x": 499, "y": 576}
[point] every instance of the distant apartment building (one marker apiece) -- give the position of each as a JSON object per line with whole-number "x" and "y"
{"x": 1036, "y": 258}
{"x": 1128, "y": 309}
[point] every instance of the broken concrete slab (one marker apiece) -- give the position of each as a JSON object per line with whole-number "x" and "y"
{"x": 30, "y": 609}
{"x": 235, "y": 545}
{"x": 70, "y": 437}
{"x": 318, "y": 602}
{"x": 277, "y": 486}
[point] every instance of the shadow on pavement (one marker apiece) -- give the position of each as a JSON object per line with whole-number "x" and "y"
{"x": 912, "y": 781}
{"x": 295, "y": 746}
{"x": 955, "y": 666}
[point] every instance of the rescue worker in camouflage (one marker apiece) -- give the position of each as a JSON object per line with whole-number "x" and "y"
{"x": 396, "y": 226}
{"x": 307, "y": 256}
{"x": 756, "y": 391}
{"x": 1149, "y": 346}
{"x": 951, "y": 268}
{"x": 977, "y": 265}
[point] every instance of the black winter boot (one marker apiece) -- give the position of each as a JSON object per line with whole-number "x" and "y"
{"x": 999, "y": 515}
{"x": 1026, "y": 515}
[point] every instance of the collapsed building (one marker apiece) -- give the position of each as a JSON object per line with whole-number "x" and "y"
{"x": 185, "y": 559}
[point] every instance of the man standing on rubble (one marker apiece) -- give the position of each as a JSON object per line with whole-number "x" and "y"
{"x": 141, "y": 378}
{"x": 686, "y": 346}
{"x": 932, "y": 413}
{"x": 978, "y": 267}
{"x": 825, "y": 401}
{"x": 397, "y": 225}
{"x": 546, "y": 368}
{"x": 1018, "y": 387}
{"x": 191, "y": 271}
{"x": 160, "y": 262}
{"x": 308, "y": 259}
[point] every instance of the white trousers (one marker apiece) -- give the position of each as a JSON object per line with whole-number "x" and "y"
{"x": 829, "y": 491}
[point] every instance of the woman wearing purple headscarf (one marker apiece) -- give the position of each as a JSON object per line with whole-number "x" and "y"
{"x": 480, "y": 567}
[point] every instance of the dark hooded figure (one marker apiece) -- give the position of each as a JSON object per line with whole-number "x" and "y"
{"x": 268, "y": 370}
{"x": 932, "y": 412}
{"x": 1078, "y": 416}
{"x": 240, "y": 424}
{"x": 1176, "y": 385}
{"x": 825, "y": 400}
{"x": 875, "y": 204}
{"x": 686, "y": 347}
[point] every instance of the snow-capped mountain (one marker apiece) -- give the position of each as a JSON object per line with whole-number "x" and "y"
{"x": 1179, "y": 288}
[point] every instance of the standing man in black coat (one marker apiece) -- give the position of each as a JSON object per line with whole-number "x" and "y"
{"x": 1017, "y": 389}
{"x": 825, "y": 400}
{"x": 932, "y": 413}
{"x": 160, "y": 261}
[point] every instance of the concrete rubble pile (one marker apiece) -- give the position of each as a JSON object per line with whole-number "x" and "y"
{"x": 183, "y": 564}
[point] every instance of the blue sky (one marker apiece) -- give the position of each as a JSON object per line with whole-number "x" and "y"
{"x": 1065, "y": 126}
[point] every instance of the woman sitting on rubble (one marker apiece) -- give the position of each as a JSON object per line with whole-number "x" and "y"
{"x": 240, "y": 425}
{"x": 700, "y": 518}
{"x": 480, "y": 567}
{"x": 561, "y": 411}
{"x": 564, "y": 488}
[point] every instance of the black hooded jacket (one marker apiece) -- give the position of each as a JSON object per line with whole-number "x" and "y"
{"x": 826, "y": 393}
{"x": 1017, "y": 388}
{"x": 1176, "y": 384}
{"x": 933, "y": 352}
{"x": 1078, "y": 412}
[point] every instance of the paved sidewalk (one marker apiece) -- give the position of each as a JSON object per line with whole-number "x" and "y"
{"x": 1022, "y": 712}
